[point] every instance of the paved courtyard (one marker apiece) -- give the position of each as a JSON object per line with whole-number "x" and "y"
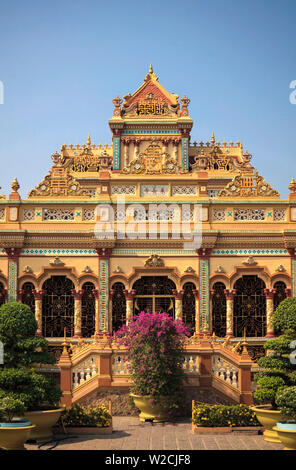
{"x": 129, "y": 434}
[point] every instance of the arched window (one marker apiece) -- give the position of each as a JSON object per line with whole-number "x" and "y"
{"x": 188, "y": 306}
{"x": 88, "y": 310}
{"x": 2, "y": 294}
{"x": 28, "y": 296}
{"x": 219, "y": 310}
{"x": 58, "y": 307}
{"x": 154, "y": 293}
{"x": 280, "y": 293}
{"x": 249, "y": 307}
{"x": 118, "y": 306}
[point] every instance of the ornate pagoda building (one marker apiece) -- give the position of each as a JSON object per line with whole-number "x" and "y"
{"x": 82, "y": 284}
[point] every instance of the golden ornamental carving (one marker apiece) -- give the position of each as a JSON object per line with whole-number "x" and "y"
{"x": 154, "y": 261}
{"x": 58, "y": 182}
{"x": 150, "y": 107}
{"x": 86, "y": 162}
{"x": 250, "y": 262}
{"x": 57, "y": 262}
{"x": 154, "y": 161}
{"x": 248, "y": 184}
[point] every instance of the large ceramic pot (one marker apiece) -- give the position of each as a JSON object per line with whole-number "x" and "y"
{"x": 286, "y": 432}
{"x": 44, "y": 421}
{"x": 158, "y": 413}
{"x": 268, "y": 418}
{"x": 14, "y": 435}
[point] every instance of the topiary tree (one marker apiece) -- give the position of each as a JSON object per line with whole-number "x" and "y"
{"x": 23, "y": 350}
{"x": 279, "y": 371}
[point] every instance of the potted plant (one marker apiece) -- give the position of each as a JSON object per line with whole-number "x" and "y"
{"x": 286, "y": 430}
{"x": 155, "y": 355}
{"x": 14, "y": 430}
{"x": 89, "y": 420}
{"x": 23, "y": 351}
{"x": 277, "y": 369}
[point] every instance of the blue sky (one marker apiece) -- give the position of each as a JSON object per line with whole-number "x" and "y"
{"x": 63, "y": 61}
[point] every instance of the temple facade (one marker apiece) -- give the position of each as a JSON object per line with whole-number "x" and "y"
{"x": 152, "y": 221}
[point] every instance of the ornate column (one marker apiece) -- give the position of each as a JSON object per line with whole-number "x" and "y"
{"x": 269, "y": 293}
{"x": 112, "y": 292}
{"x": 178, "y": 294}
{"x": 212, "y": 292}
{"x": 12, "y": 256}
{"x": 77, "y": 312}
{"x": 197, "y": 325}
{"x": 125, "y": 152}
{"x": 137, "y": 147}
{"x": 38, "y": 309}
{"x": 97, "y": 316}
{"x": 20, "y": 295}
{"x": 229, "y": 294}
{"x": 185, "y": 154}
{"x": 204, "y": 291}
{"x": 292, "y": 253}
{"x": 104, "y": 261}
{"x": 129, "y": 298}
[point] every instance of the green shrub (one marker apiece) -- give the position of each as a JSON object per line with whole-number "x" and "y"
{"x": 22, "y": 351}
{"x": 223, "y": 415}
{"x": 81, "y": 416}
{"x": 284, "y": 317}
{"x": 10, "y": 408}
{"x": 286, "y": 401}
{"x": 35, "y": 390}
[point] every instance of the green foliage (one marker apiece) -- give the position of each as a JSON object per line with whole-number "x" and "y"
{"x": 17, "y": 333}
{"x": 80, "y": 416}
{"x": 11, "y": 407}
{"x": 284, "y": 317}
{"x": 279, "y": 372}
{"x": 286, "y": 401}
{"x": 33, "y": 389}
{"x": 23, "y": 350}
{"x": 223, "y": 415}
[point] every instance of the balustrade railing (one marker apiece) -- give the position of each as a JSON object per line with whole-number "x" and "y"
{"x": 84, "y": 371}
{"x": 191, "y": 364}
{"x": 119, "y": 365}
{"x": 225, "y": 371}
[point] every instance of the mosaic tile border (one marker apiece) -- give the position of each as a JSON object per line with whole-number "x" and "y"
{"x": 50, "y": 252}
{"x": 204, "y": 306}
{"x": 104, "y": 294}
{"x": 249, "y": 252}
{"x": 12, "y": 281}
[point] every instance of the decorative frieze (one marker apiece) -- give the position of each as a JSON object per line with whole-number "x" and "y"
{"x": 279, "y": 215}
{"x": 213, "y": 193}
{"x": 58, "y": 214}
{"x": 249, "y": 214}
{"x": 2, "y": 214}
{"x": 219, "y": 214}
{"x": 184, "y": 190}
{"x": 88, "y": 214}
{"x": 127, "y": 189}
{"x": 29, "y": 214}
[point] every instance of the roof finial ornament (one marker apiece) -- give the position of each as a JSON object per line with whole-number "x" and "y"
{"x": 213, "y": 138}
{"x": 15, "y": 185}
{"x": 88, "y": 141}
{"x": 150, "y": 69}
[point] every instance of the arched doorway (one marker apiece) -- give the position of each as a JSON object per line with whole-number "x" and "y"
{"x": 88, "y": 310}
{"x": 2, "y": 294}
{"x": 188, "y": 306}
{"x": 118, "y": 306}
{"x": 57, "y": 307}
{"x": 154, "y": 293}
{"x": 249, "y": 314}
{"x": 280, "y": 293}
{"x": 219, "y": 310}
{"x": 28, "y": 296}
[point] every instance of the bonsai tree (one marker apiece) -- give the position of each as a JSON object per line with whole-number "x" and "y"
{"x": 23, "y": 350}
{"x": 286, "y": 401}
{"x": 10, "y": 407}
{"x": 279, "y": 371}
{"x": 155, "y": 355}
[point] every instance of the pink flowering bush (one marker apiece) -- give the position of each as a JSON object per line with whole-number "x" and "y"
{"x": 155, "y": 354}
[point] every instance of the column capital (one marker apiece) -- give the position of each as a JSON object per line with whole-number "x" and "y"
{"x": 269, "y": 293}
{"x": 104, "y": 253}
{"x": 229, "y": 293}
{"x": 178, "y": 294}
{"x": 288, "y": 292}
{"x": 19, "y": 295}
{"x": 38, "y": 294}
{"x": 195, "y": 292}
{"x": 13, "y": 253}
{"x": 77, "y": 294}
{"x": 204, "y": 253}
{"x": 129, "y": 294}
